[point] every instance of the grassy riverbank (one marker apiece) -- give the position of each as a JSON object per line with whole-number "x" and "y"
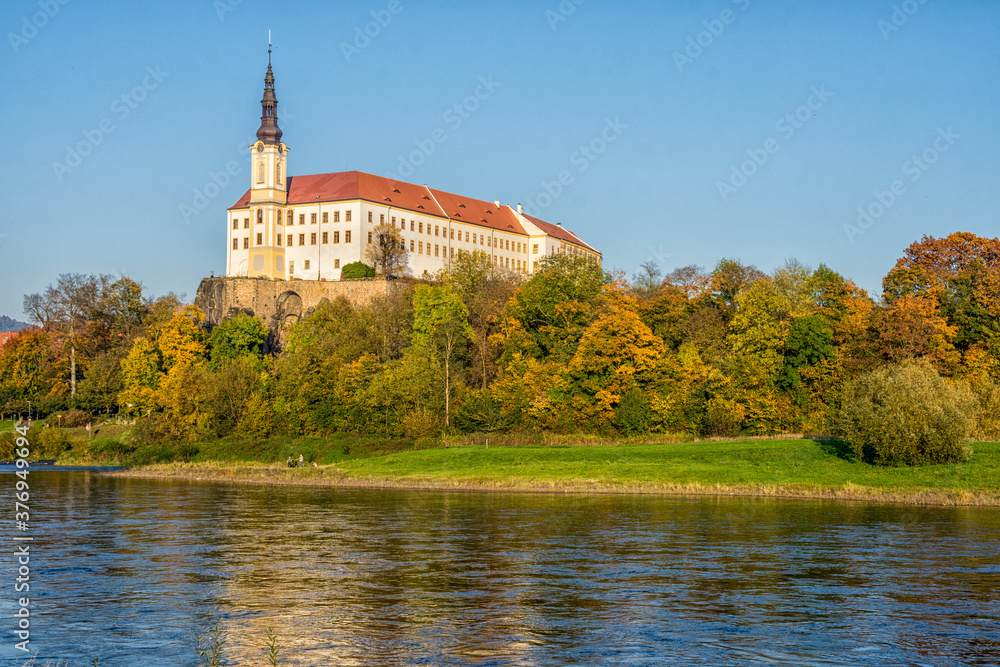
{"x": 782, "y": 468}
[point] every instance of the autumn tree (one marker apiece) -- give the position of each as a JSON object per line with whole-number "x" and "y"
{"x": 485, "y": 288}
{"x": 25, "y": 369}
{"x": 64, "y": 310}
{"x": 387, "y": 251}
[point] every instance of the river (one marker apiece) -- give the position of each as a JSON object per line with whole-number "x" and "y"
{"x": 130, "y": 571}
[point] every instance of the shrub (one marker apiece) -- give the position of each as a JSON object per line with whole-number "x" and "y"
{"x": 186, "y": 451}
{"x": 49, "y": 443}
{"x": 908, "y": 415}
{"x": 109, "y": 449}
{"x": 633, "y": 415}
{"x": 70, "y": 418}
{"x": 356, "y": 271}
{"x": 421, "y": 423}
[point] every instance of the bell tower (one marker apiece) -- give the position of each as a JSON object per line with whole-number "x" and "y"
{"x": 268, "y": 188}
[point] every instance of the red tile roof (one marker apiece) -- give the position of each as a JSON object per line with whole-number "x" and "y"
{"x": 558, "y": 232}
{"x": 349, "y": 185}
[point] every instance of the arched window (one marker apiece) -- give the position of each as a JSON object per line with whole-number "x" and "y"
{"x": 260, "y": 171}
{"x": 277, "y": 173}
{"x": 260, "y": 216}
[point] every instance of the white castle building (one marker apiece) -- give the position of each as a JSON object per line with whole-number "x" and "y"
{"x": 308, "y": 227}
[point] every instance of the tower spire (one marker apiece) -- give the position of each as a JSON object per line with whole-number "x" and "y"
{"x": 269, "y": 132}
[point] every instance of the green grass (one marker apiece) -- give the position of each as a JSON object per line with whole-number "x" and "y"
{"x": 790, "y": 464}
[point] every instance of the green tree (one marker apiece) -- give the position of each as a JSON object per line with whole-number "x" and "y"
{"x": 810, "y": 341}
{"x": 241, "y": 336}
{"x": 440, "y": 330}
{"x": 633, "y": 415}
{"x": 103, "y": 383}
{"x": 550, "y": 312}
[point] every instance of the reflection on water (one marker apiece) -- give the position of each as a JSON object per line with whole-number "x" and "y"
{"x": 131, "y": 570}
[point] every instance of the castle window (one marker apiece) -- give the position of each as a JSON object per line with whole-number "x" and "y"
{"x": 421, "y": 228}
{"x": 260, "y": 216}
{"x": 236, "y": 223}
{"x": 246, "y": 223}
{"x": 336, "y": 263}
{"x": 481, "y": 241}
{"x": 534, "y": 249}
{"x": 370, "y": 214}
{"x": 326, "y": 216}
{"x": 279, "y": 239}
{"x": 246, "y": 242}
{"x": 436, "y": 250}
{"x": 312, "y": 239}
{"x": 411, "y": 246}
{"x": 336, "y": 237}
{"x": 305, "y": 265}
{"x": 402, "y": 246}
{"x": 369, "y": 238}
{"x": 474, "y": 238}
{"x": 291, "y": 218}
{"x": 260, "y": 171}
{"x": 289, "y": 244}
{"x": 381, "y": 218}
{"x": 326, "y": 238}
{"x": 451, "y": 253}
{"x": 312, "y": 218}
{"x": 413, "y": 226}
{"x": 236, "y": 244}
{"x": 336, "y": 216}
{"x": 302, "y": 239}
{"x": 421, "y": 246}
{"x": 260, "y": 239}
{"x": 347, "y": 236}
{"x": 466, "y": 237}
{"x": 277, "y": 173}
{"x": 347, "y": 216}
{"x": 436, "y": 229}
{"x": 393, "y": 221}
{"x": 453, "y": 234}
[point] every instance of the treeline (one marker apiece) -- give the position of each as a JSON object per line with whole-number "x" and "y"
{"x": 573, "y": 348}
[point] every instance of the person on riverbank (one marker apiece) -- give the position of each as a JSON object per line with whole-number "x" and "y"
{"x": 302, "y": 462}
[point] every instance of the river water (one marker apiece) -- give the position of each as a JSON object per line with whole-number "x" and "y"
{"x": 130, "y": 571}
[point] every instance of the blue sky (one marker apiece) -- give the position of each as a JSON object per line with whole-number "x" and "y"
{"x": 743, "y": 129}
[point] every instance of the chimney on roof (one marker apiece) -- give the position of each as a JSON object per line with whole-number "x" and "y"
{"x": 520, "y": 209}
{"x": 496, "y": 202}
{"x": 559, "y": 225}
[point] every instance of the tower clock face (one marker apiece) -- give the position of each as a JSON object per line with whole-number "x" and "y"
{"x": 260, "y": 146}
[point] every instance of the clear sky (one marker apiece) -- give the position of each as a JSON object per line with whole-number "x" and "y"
{"x": 688, "y": 131}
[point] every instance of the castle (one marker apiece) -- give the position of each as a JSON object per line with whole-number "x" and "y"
{"x": 309, "y": 227}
